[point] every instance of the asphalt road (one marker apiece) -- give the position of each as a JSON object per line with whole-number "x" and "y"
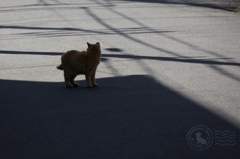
{"x": 169, "y": 80}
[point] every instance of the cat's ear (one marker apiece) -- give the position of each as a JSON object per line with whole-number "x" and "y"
{"x": 98, "y": 43}
{"x": 88, "y": 45}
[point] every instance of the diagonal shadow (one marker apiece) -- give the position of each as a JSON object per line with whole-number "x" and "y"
{"x": 194, "y": 47}
{"x": 126, "y": 117}
{"x": 221, "y": 5}
{"x": 119, "y": 32}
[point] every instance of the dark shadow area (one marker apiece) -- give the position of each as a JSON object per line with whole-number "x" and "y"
{"x": 227, "y": 5}
{"x": 126, "y": 117}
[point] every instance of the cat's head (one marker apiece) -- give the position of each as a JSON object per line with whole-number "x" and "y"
{"x": 97, "y": 45}
{"x": 94, "y": 48}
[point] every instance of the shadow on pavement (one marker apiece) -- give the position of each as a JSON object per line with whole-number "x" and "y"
{"x": 126, "y": 117}
{"x": 184, "y": 59}
{"x": 211, "y": 62}
{"x": 228, "y": 5}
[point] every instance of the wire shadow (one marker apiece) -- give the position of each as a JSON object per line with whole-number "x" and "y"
{"x": 226, "y": 6}
{"x": 94, "y": 16}
{"x": 30, "y": 53}
{"x": 193, "y": 60}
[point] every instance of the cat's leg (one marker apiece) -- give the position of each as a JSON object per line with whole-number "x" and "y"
{"x": 88, "y": 80}
{"x": 67, "y": 81}
{"x": 73, "y": 82}
{"x": 93, "y": 79}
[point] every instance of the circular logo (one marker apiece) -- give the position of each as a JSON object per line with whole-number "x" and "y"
{"x": 200, "y": 138}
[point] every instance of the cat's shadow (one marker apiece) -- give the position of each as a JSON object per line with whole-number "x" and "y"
{"x": 132, "y": 116}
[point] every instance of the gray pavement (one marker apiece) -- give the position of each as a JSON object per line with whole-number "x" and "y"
{"x": 169, "y": 80}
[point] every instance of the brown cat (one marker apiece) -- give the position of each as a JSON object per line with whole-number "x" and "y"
{"x": 75, "y": 63}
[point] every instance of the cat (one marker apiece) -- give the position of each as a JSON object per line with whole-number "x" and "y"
{"x": 85, "y": 62}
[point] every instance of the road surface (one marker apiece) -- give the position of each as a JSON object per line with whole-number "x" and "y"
{"x": 169, "y": 80}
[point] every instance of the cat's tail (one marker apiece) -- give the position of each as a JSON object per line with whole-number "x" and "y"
{"x": 60, "y": 67}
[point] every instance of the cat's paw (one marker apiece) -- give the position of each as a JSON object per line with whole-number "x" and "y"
{"x": 89, "y": 86}
{"x": 95, "y": 85}
{"x": 76, "y": 85}
{"x": 68, "y": 87}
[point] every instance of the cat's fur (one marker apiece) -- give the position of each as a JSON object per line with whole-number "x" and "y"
{"x": 75, "y": 63}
